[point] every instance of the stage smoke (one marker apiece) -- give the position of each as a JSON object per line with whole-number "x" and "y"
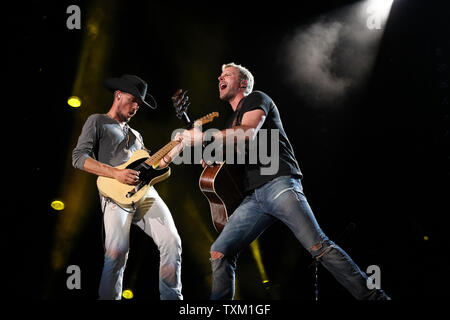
{"x": 331, "y": 57}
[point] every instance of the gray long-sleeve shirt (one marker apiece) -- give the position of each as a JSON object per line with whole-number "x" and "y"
{"x": 104, "y": 139}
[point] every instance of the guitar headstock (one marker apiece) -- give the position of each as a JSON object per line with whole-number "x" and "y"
{"x": 180, "y": 101}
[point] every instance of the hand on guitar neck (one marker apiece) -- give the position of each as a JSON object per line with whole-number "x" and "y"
{"x": 167, "y": 159}
{"x": 191, "y": 137}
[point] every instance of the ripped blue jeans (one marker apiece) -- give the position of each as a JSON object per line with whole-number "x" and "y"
{"x": 281, "y": 199}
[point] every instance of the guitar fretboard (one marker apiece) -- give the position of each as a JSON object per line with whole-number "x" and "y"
{"x": 157, "y": 156}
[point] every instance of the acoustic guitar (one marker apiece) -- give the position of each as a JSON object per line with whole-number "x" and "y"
{"x": 218, "y": 181}
{"x": 223, "y": 190}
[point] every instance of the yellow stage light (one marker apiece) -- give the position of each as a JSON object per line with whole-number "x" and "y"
{"x": 74, "y": 102}
{"x": 426, "y": 238}
{"x": 58, "y": 205}
{"x": 259, "y": 263}
{"x": 93, "y": 53}
{"x": 127, "y": 294}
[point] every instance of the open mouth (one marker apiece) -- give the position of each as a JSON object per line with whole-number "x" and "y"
{"x": 222, "y": 86}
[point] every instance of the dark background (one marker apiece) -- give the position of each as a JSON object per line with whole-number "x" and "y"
{"x": 376, "y": 168}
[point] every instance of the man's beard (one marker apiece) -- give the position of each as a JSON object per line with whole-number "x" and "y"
{"x": 227, "y": 96}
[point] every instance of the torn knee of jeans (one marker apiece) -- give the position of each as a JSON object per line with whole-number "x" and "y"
{"x": 116, "y": 254}
{"x": 319, "y": 250}
{"x": 168, "y": 272}
{"x": 216, "y": 255}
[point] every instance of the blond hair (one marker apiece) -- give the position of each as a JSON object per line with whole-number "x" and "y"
{"x": 244, "y": 74}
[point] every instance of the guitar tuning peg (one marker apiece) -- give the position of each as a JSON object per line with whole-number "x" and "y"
{"x": 183, "y": 95}
{"x": 176, "y": 94}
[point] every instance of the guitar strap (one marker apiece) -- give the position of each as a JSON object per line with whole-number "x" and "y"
{"x": 137, "y": 137}
{"x": 238, "y": 117}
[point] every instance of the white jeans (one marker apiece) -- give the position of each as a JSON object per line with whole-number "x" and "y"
{"x": 154, "y": 218}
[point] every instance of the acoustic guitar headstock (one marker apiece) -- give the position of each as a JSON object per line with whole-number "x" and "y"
{"x": 180, "y": 101}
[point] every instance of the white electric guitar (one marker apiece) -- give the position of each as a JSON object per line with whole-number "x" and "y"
{"x": 129, "y": 196}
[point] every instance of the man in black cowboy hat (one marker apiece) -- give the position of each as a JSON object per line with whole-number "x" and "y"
{"x": 107, "y": 141}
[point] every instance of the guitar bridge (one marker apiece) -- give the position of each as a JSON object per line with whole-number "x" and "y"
{"x": 135, "y": 190}
{"x": 131, "y": 193}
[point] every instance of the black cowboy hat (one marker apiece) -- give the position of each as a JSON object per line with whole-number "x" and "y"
{"x": 131, "y": 84}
